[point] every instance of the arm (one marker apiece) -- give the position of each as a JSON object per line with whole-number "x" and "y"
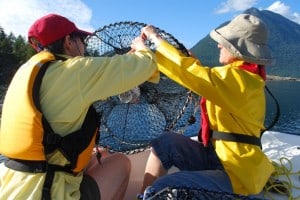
{"x": 224, "y": 86}
{"x": 187, "y": 71}
{"x": 102, "y": 77}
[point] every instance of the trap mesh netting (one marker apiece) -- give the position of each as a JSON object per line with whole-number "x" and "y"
{"x": 130, "y": 120}
{"x": 172, "y": 193}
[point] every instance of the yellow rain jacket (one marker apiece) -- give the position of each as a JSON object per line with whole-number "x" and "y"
{"x": 235, "y": 103}
{"x": 67, "y": 91}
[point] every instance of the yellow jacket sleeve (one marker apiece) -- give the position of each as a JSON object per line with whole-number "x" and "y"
{"x": 70, "y": 87}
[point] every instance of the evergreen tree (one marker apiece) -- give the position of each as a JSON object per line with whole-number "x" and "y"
{"x": 13, "y": 52}
{"x": 5, "y": 44}
{"x": 21, "y": 50}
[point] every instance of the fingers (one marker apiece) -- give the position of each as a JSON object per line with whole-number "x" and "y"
{"x": 138, "y": 43}
{"x": 151, "y": 34}
{"x": 147, "y": 31}
{"x": 144, "y": 36}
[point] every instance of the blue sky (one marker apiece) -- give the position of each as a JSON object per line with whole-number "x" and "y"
{"x": 189, "y": 21}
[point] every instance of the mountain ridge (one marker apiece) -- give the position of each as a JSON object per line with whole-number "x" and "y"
{"x": 284, "y": 42}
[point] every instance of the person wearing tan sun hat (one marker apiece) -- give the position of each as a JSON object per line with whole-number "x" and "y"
{"x": 245, "y": 38}
{"x": 49, "y": 127}
{"x": 227, "y": 156}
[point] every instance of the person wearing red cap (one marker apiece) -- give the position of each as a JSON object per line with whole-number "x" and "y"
{"x": 49, "y": 29}
{"x": 48, "y": 109}
{"x": 227, "y": 157}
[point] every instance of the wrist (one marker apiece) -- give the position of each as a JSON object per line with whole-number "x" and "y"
{"x": 156, "y": 39}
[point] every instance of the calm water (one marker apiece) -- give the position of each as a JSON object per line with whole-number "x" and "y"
{"x": 288, "y": 94}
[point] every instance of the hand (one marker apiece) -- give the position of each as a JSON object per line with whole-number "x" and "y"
{"x": 103, "y": 151}
{"x": 149, "y": 32}
{"x": 137, "y": 44}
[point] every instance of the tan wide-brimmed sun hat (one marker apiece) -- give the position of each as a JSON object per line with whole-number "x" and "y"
{"x": 246, "y": 37}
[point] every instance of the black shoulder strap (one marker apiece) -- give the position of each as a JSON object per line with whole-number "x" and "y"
{"x": 53, "y": 138}
{"x": 46, "y": 193}
{"x": 234, "y": 137}
{"x": 37, "y": 85}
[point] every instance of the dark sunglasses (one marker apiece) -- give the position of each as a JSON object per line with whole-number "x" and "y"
{"x": 82, "y": 39}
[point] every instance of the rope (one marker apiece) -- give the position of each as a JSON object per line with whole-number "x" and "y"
{"x": 181, "y": 112}
{"x": 283, "y": 170}
{"x": 138, "y": 147}
{"x": 276, "y": 117}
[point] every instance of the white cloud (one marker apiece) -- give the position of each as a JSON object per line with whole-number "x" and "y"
{"x": 296, "y": 17}
{"x": 17, "y": 16}
{"x": 279, "y": 7}
{"x": 235, "y": 5}
{"x": 284, "y": 10}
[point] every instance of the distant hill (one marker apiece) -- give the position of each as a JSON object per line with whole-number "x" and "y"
{"x": 284, "y": 42}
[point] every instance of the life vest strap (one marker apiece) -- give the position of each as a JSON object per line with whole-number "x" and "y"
{"x": 46, "y": 192}
{"x": 26, "y": 165}
{"x": 36, "y": 166}
{"x": 39, "y": 167}
{"x": 234, "y": 137}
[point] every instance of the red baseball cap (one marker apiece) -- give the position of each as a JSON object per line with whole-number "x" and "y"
{"x": 51, "y": 28}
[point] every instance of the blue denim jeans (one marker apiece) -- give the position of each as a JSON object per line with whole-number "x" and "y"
{"x": 199, "y": 166}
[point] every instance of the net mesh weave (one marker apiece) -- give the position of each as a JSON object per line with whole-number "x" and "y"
{"x": 171, "y": 193}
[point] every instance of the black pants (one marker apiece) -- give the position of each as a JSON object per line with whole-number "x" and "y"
{"x": 89, "y": 189}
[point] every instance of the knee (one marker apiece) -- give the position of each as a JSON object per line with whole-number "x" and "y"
{"x": 127, "y": 163}
{"x": 123, "y": 161}
{"x": 167, "y": 139}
